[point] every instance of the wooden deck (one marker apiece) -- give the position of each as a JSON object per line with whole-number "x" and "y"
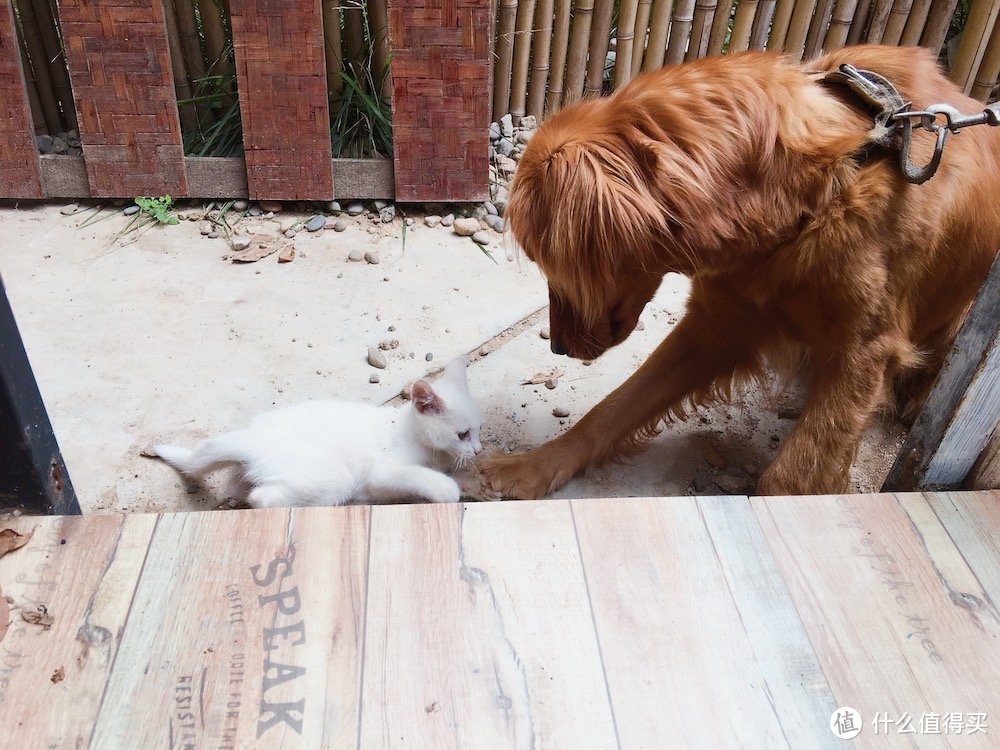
{"x": 632, "y": 623}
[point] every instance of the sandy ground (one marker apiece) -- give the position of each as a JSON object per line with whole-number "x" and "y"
{"x": 162, "y": 337}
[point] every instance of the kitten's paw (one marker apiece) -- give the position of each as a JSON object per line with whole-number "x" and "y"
{"x": 270, "y": 496}
{"x": 442, "y": 490}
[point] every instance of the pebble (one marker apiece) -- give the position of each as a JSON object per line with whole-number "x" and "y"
{"x": 387, "y": 214}
{"x": 315, "y": 223}
{"x": 213, "y": 235}
{"x": 387, "y": 344}
{"x": 287, "y": 224}
{"x": 528, "y": 122}
{"x": 287, "y": 254}
{"x": 447, "y": 220}
{"x": 74, "y": 151}
{"x": 495, "y": 223}
{"x": 339, "y": 225}
{"x": 481, "y": 238}
{"x": 505, "y": 147}
{"x": 205, "y": 228}
{"x": 240, "y": 205}
{"x": 560, "y": 412}
{"x": 59, "y": 145}
{"x": 376, "y": 358}
{"x": 483, "y": 351}
{"x": 356, "y": 208}
{"x": 490, "y": 208}
{"x": 428, "y": 356}
{"x": 44, "y": 143}
{"x": 432, "y": 221}
{"x": 241, "y": 242}
{"x": 131, "y": 210}
{"x": 270, "y": 206}
{"x": 640, "y": 326}
{"x": 524, "y": 136}
{"x": 507, "y": 125}
{"x": 355, "y": 255}
{"x": 551, "y": 383}
{"x": 255, "y": 211}
{"x": 372, "y": 257}
{"x": 69, "y": 210}
{"x": 506, "y": 165}
{"x": 408, "y": 221}
{"x": 466, "y": 227}
{"x": 495, "y": 132}
{"x": 373, "y": 378}
{"x": 333, "y": 207}
{"x": 544, "y": 333}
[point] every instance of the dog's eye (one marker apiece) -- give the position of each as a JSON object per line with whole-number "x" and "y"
{"x": 463, "y": 435}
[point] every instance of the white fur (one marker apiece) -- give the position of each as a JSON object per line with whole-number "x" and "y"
{"x": 334, "y": 452}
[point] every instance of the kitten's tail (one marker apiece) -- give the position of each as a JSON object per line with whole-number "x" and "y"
{"x": 207, "y": 455}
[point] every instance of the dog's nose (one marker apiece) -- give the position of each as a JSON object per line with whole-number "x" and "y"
{"x": 557, "y": 348}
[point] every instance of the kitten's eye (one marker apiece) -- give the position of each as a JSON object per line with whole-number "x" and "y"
{"x": 463, "y": 435}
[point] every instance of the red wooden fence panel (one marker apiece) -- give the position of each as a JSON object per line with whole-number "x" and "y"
{"x": 119, "y": 67}
{"x": 20, "y": 172}
{"x": 440, "y": 104}
{"x": 281, "y": 72}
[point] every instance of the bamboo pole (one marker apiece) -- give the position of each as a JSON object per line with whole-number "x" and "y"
{"x": 600, "y": 37}
{"x": 354, "y": 42}
{"x": 988, "y": 75}
{"x": 915, "y": 23}
{"x": 641, "y": 34}
{"x": 504, "y": 58}
{"x": 187, "y": 25}
{"x": 978, "y": 30}
{"x": 37, "y": 114}
{"x": 182, "y": 86}
{"x": 859, "y": 22}
{"x": 798, "y": 27}
{"x": 55, "y": 59}
{"x": 334, "y": 51}
{"x": 216, "y": 44}
{"x": 659, "y": 25}
{"x": 762, "y": 24}
{"x": 897, "y": 22}
{"x": 540, "y": 59}
{"x": 720, "y": 27}
{"x": 877, "y": 21}
{"x": 523, "y": 34}
{"x": 739, "y": 39}
{"x": 840, "y": 24}
{"x": 701, "y": 29}
{"x": 378, "y": 28}
{"x": 680, "y": 31}
{"x": 576, "y": 63}
{"x": 560, "y": 44}
{"x": 627, "y": 14}
{"x": 40, "y": 69}
{"x": 779, "y": 24}
{"x": 817, "y": 29}
{"x": 938, "y": 23}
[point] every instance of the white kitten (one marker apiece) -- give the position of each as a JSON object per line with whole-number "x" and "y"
{"x": 333, "y": 452}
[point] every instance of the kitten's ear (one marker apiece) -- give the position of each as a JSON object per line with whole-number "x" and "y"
{"x": 425, "y": 400}
{"x": 455, "y": 371}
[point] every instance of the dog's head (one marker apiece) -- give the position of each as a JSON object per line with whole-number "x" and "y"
{"x": 585, "y": 206}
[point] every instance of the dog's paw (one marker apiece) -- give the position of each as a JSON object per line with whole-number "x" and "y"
{"x": 525, "y": 476}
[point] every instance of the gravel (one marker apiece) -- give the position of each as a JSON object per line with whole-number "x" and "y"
{"x": 466, "y": 227}
{"x": 481, "y": 237}
{"x": 315, "y": 223}
{"x": 560, "y": 412}
{"x": 372, "y": 257}
{"x": 376, "y": 358}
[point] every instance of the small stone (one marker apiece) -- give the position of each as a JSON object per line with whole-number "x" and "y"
{"x": 267, "y": 215}
{"x": 213, "y": 235}
{"x": 339, "y": 225}
{"x": 528, "y": 122}
{"x": 315, "y": 223}
{"x": 500, "y": 200}
{"x": 428, "y": 356}
{"x": 59, "y": 145}
{"x": 408, "y": 221}
{"x": 481, "y": 238}
{"x": 483, "y": 351}
{"x": 587, "y": 362}
{"x": 205, "y": 228}
{"x": 466, "y": 227}
{"x": 379, "y": 204}
{"x": 131, "y": 210}
{"x": 286, "y": 254}
{"x": 240, "y": 205}
{"x": 447, "y": 220}
{"x": 506, "y": 165}
{"x": 507, "y": 125}
{"x": 495, "y": 131}
{"x": 44, "y": 143}
{"x": 255, "y": 211}
{"x": 495, "y": 223}
{"x": 432, "y": 221}
{"x": 74, "y": 150}
{"x": 525, "y": 136}
{"x": 241, "y": 242}
{"x": 551, "y": 383}
{"x": 373, "y": 378}
{"x": 69, "y": 209}
{"x": 387, "y": 214}
{"x": 333, "y": 207}
{"x": 372, "y": 257}
{"x": 388, "y": 344}
{"x": 376, "y": 358}
{"x": 355, "y": 209}
{"x": 560, "y": 412}
{"x": 640, "y": 326}
{"x": 505, "y": 147}
{"x": 544, "y": 333}
{"x": 287, "y": 224}
{"x": 479, "y": 213}
{"x": 355, "y": 256}
{"x": 270, "y": 206}
{"x": 490, "y": 208}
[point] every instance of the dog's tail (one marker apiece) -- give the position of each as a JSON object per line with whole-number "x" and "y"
{"x": 207, "y": 455}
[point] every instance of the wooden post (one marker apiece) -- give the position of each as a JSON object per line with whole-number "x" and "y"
{"x": 440, "y": 99}
{"x": 20, "y": 172}
{"x": 281, "y": 73}
{"x": 963, "y": 408}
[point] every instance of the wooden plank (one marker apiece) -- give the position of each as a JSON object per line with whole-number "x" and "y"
{"x": 963, "y": 408}
{"x": 225, "y": 177}
{"x": 20, "y": 174}
{"x": 83, "y": 571}
{"x": 479, "y": 632}
{"x": 985, "y": 475}
{"x": 281, "y": 72}
{"x": 900, "y": 623}
{"x": 246, "y": 631}
{"x": 123, "y": 87}
{"x": 973, "y": 522}
{"x": 675, "y": 650}
{"x": 440, "y": 99}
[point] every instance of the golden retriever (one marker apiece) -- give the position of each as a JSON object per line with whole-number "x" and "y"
{"x": 750, "y": 174}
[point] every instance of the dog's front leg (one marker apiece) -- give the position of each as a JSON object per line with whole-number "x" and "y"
{"x": 844, "y": 391}
{"x": 717, "y": 337}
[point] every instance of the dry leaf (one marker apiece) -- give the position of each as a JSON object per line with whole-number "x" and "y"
{"x": 541, "y": 377}
{"x": 253, "y": 254}
{"x": 287, "y": 254}
{"x": 4, "y": 616}
{"x": 58, "y": 676}
{"x": 38, "y": 616}
{"x": 10, "y": 540}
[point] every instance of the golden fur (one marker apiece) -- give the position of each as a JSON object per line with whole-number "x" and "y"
{"x": 743, "y": 173}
